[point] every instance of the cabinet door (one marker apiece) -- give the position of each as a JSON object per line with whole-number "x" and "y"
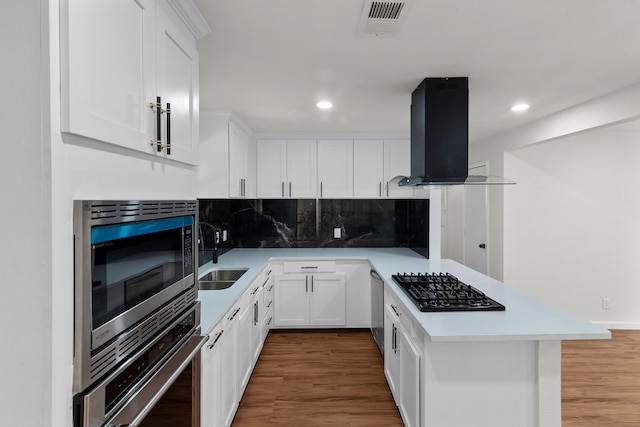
{"x": 244, "y": 341}
{"x": 209, "y": 382}
{"x": 238, "y": 161}
{"x": 397, "y": 162}
{"x": 327, "y": 301}
{"x": 391, "y": 364}
{"x": 301, "y": 169}
{"x": 368, "y": 174}
{"x": 107, "y": 56}
{"x": 229, "y": 394}
{"x": 178, "y": 84}
{"x": 291, "y": 300}
{"x": 409, "y": 404}
{"x": 272, "y": 169}
{"x": 256, "y": 329}
{"x": 335, "y": 169}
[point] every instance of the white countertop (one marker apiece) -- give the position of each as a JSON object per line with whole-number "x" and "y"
{"x": 525, "y": 317}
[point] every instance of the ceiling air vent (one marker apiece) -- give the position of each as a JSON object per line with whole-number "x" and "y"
{"x": 381, "y": 18}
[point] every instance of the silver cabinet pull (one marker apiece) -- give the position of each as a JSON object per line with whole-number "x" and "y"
{"x": 311, "y": 283}
{"x": 306, "y": 283}
{"x": 310, "y": 267}
{"x": 265, "y": 282}
{"x": 387, "y": 185}
{"x": 379, "y": 189}
{"x": 234, "y": 313}
{"x": 320, "y": 188}
{"x": 395, "y": 311}
{"x": 215, "y": 340}
{"x": 282, "y": 188}
{"x": 289, "y": 188}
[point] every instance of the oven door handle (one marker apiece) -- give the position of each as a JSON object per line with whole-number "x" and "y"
{"x": 140, "y": 404}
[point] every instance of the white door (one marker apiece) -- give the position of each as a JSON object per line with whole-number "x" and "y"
{"x": 475, "y": 223}
{"x": 272, "y": 169}
{"x": 335, "y": 169}
{"x": 327, "y": 304}
{"x": 291, "y": 300}
{"x": 368, "y": 174}
{"x": 301, "y": 170}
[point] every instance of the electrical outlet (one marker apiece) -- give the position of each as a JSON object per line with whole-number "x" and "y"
{"x": 606, "y": 303}
{"x": 337, "y": 233}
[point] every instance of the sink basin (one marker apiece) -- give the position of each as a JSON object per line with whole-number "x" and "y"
{"x": 220, "y": 279}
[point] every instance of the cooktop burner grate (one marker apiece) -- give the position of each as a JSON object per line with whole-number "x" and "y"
{"x": 444, "y": 292}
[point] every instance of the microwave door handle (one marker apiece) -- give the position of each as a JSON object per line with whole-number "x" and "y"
{"x": 145, "y": 399}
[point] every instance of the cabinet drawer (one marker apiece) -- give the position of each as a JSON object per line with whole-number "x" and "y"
{"x": 310, "y": 267}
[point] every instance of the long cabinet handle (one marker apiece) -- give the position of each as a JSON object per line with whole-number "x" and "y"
{"x": 311, "y": 283}
{"x": 306, "y": 283}
{"x": 379, "y": 189}
{"x": 395, "y": 310}
{"x": 168, "y": 129}
{"x": 289, "y": 188}
{"x": 387, "y": 185}
{"x": 158, "y": 107}
{"x": 215, "y": 340}
{"x": 282, "y": 188}
{"x": 320, "y": 189}
{"x": 234, "y": 313}
{"x": 255, "y": 313}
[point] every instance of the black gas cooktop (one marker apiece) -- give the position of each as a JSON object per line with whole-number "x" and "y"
{"x": 444, "y": 292}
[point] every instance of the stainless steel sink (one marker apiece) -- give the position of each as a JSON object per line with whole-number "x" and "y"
{"x": 220, "y": 279}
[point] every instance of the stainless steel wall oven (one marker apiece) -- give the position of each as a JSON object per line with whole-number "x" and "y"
{"x": 137, "y": 318}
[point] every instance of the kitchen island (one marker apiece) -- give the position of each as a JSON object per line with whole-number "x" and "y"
{"x": 499, "y": 368}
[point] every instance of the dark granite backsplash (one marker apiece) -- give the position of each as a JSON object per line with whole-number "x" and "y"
{"x": 310, "y": 223}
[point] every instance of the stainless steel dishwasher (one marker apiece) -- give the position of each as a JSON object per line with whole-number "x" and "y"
{"x": 377, "y": 309}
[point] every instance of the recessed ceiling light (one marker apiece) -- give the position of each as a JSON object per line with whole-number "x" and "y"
{"x": 324, "y": 105}
{"x": 520, "y": 107}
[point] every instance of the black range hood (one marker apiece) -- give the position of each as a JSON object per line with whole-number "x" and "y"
{"x": 440, "y": 135}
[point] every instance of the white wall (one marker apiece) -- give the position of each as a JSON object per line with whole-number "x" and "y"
{"x": 25, "y": 183}
{"x": 40, "y": 176}
{"x": 571, "y": 225}
{"x": 613, "y": 108}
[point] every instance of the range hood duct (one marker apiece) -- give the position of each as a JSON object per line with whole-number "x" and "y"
{"x": 440, "y": 135}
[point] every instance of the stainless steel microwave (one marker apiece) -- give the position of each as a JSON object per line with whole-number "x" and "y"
{"x": 135, "y": 268}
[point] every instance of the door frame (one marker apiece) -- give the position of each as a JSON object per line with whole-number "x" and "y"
{"x": 479, "y": 164}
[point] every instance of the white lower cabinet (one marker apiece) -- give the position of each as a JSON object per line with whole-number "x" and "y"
{"x": 219, "y": 400}
{"x": 310, "y": 299}
{"x": 245, "y": 352}
{"x": 401, "y": 366}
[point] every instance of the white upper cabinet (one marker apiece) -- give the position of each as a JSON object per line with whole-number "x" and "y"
{"x": 117, "y": 57}
{"x": 335, "y": 169}
{"x": 272, "y": 169}
{"x": 242, "y": 162}
{"x": 177, "y": 83}
{"x": 375, "y": 163}
{"x": 286, "y": 169}
{"x": 368, "y": 172}
{"x": 397, "y": 162}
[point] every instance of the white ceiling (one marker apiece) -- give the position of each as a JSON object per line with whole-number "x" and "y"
{"x": 270, "y": 61}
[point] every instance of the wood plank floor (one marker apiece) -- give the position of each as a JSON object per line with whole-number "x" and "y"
{"x": 336, "y": 378}
{"x": 601, "y": 381}
{"x": 318, "y": 378}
